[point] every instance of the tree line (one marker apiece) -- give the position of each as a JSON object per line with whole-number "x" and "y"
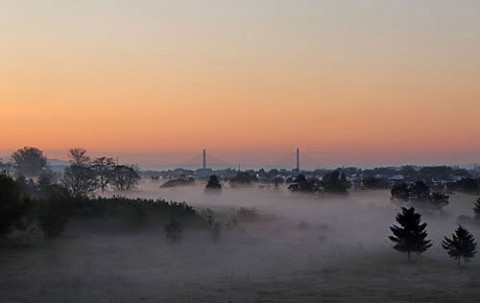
{"x": 84, "y": 176}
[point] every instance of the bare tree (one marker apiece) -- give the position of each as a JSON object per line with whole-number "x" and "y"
{"x": 78, "y": 156}
{"x": 103, "y": 168}
{"x": 79, "y": 180}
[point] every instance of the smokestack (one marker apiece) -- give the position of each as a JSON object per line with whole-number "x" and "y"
{"x": 298, "y": 159}
{"x": 204, "y": 165}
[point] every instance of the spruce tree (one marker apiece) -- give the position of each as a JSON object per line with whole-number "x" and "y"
{"x": 476, "y": 208}
{"x": 462, "y": 244}
{"x": 410, "y": 236}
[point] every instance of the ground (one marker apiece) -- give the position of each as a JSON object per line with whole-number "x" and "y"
{"x": 308, "y": 249}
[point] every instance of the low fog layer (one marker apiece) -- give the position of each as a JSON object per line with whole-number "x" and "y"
{"x": 300, "y": 248}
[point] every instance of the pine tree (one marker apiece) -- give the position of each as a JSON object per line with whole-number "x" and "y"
{"x": 411, "y": 235}
{"x": 476, "y": 208}
{"x": 462, "y": 244}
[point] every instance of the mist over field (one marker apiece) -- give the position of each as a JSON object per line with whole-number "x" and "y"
{"x": 293, "y": 248}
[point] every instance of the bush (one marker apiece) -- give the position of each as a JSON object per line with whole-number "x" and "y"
{"x": 13, "y": 207}
{"x": 53, "y": 210}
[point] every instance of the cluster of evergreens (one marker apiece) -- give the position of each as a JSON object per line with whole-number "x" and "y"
{"x": 411, "y": 237}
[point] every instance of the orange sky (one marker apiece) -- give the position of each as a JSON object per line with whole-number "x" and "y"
{"x": 355, "y": 83}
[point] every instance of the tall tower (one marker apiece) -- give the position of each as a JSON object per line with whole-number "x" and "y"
{"x": 298, "y": 159}
{"x": 204, "y": 163}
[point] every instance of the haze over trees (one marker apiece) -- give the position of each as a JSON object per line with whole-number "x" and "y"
{"x": 213, "y": 183}
{"x": 460, "y": 245}
{"x": 418, "y": 193}
{"x": 84, "y": 176}
{"x": 29, "y": 161}
{"x": 335, "y": 182}
{"x": 242, "y": 178}
{"x": 411, "y": 235}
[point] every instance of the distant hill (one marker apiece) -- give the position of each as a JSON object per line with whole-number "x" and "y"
{"x": 58, "y": 165}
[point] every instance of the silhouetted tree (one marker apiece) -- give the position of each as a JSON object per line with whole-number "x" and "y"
{"x": 125, "y": 177}
{"x": 410, "y": 236}
{"x": 79, "y": 180}
{"x": 335, "y": 182}
{"x": 461, "y": 245}
{"x": 419, "y": 191}
{"x": 476, "y": 208}
{"x": 439, "y": 200}
{"x": 78, "y": 156}
{"x": 213, "y": 183}
{"x": 242, "y": 178}
{"x": 401, "y": 191}
{"x": 29, "y": 161}
{"x": 103, "y": 168}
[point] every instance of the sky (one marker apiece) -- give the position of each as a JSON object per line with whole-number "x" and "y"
{"x": 360, "y": 82}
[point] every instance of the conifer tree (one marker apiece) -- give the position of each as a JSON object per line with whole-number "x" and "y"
{"x": 462, "y": 244}
{"x": 410, "y": 236}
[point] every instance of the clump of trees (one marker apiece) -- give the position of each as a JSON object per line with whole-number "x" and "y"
{"x": 460, "y": 245}
{"x": 411, "y": 235}
{"x": 242, "y": 178}
{"x": 374, "y": 182}
{"x": 29, "y": 161}
{"x": 418, "y": 193}
{"x": 333, "y": 182}
{"x": 46, "y": 211}
{"x": 103, "y": 168}
{"x": 304, "y": 185}
{"x": 84, "y": 176}
{"x": 125, "y": 177}
{"x": 49, "y": 209}
{"x": 213, "y": 183}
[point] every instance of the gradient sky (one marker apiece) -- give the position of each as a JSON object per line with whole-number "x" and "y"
{"x": 350, "y": 82}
